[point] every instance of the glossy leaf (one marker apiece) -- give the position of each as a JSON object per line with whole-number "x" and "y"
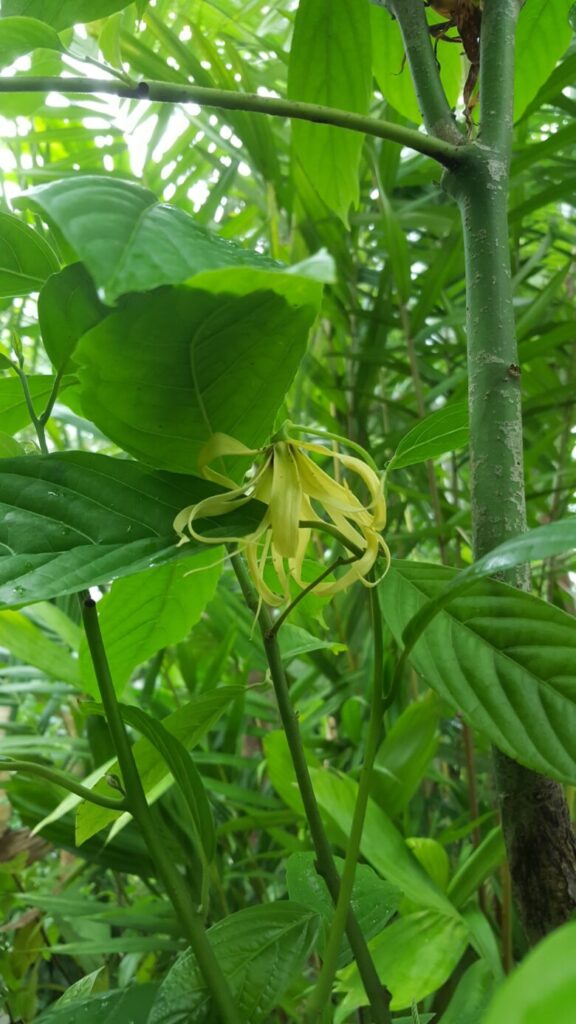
{"x": 261, "y": 950}
{"x": 440, "y": 432}
{"x": 129, "y": 241}
{"x": 115, "y": 1007}
{"x": 482, "y": 861}
{"x": 73, "y": 520}
{"x": 142, "y": 614}
{"x": 26, "y": 259}
{"x": 19, "y": 36}
{"x": 414, "y": 956}
{"x": 63, "y": 13}
{"x": 68, "y": 306}
{"x": 543, "y": 988}
{"x": 169, "y": 369}
{"x": 502, "y": 656}
{"x": 405, "y": 753}
{"x": 382, "y": 844}
{"x": 329, "y": 64}
{"x": 374, "y": 901}
{"x": 188, "y": 724}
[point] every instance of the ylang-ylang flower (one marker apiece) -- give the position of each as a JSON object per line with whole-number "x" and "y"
{"x": 295, "y": 490}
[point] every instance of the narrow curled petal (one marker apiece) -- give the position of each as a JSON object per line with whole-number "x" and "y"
{"x": 218, "y": 446}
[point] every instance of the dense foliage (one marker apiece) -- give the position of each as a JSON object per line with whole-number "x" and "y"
{"x": 170, "y": 270}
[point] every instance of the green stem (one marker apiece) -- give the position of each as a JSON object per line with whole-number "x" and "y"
{"x": 35, "y": 420}
{"x": 61, "y": 779}
{"x": 307, "y": 590}
{"x": 325, "y": 861}
{"x": 168, "y": 872}
{"x": 321, "y": 994}
{"x": 434, "y": 107}
{"x": 445, "y": 152}
{"x": 539, "y": 839}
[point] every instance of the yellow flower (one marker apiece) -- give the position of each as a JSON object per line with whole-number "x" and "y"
{"x": 293, "y": 487}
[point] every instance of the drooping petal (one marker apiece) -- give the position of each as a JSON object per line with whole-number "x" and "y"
{"x": 357, "y": 571}
{"x": 285, "y": 501}
{"x": 218, "y": 446}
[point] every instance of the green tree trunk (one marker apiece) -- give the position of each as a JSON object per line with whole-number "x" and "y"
{"x": 539, "y": 838}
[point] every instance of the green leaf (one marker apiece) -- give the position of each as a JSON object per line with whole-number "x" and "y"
{"x": 543, "y": 988}
{"x": 374, "y": 901}
{"x": 96, "y": 981}
{"x": 501, "y": 656}
{"x": 9, "y": 446}
{"x": 440, "y": 432}
{"x": 382, "y": 844}
{"x": 63, "y": 13}
{"x": 471, "y": 997}
{"x": 68, "y": 306}
{"x": 188, "y": 725}
{"x": 14, "y": 413}
{"x": 30, "y": 645}
{"x": 261, "y": 950}
{"x": 72, "y": 520}
{"x": 414, "y": 956}
{"x": 542, "y": 37}
{"x": 170, "y": 368}
{"x": 480, "y": 864}
{"x": 405, "y": 753}
{"x": 143, "y": 613}
{"x": 19, "y": 36}
{"x": 115, "y": 1007}
{"x": 185, "y": 774}
{"x": 26, "y": 259}
{"x": 129, "y": 241}
{"x": 391, "y": 69}
{"x": 330, "y": 64}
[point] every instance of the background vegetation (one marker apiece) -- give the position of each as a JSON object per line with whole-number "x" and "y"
{"x": 365, "y": 338}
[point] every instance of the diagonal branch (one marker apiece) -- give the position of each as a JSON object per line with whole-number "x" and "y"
{"x": 440, "y": 148}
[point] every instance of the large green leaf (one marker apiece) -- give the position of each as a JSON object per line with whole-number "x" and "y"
{"x": 68, "y": 306}
{"x": 19, "y": 36}
{"x": 116, "y": 1007}
{"x": 542, "y": 37}
{"x": 130, "y": 241}
{"x": 261, "y": 950}
{"x": 167, "y": 370}
{"x": 72, "y": 520}
{"x": 543, "y": 988}
{"x": 26, "y": 259}
{"x": 63, "y": 13}
{"x": 374, "y": 901}
{"x": 29, "y": 644}
{"x": 188, "y": 724}
{"x": 440, "y": 432}
{"x": 555, "y": 538}
{"x": 414, "y": 956}
{"x": 143, "y": 613}
{"x": 405, "y": 753}
{"x": 391, "y": 69}
{"x": 14, "y": 413}
{"x": 382, "y": 844}
{"x": 504, "y": 657}
{"x": 471, "y": 996}
{"x": 330, "y": 64}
